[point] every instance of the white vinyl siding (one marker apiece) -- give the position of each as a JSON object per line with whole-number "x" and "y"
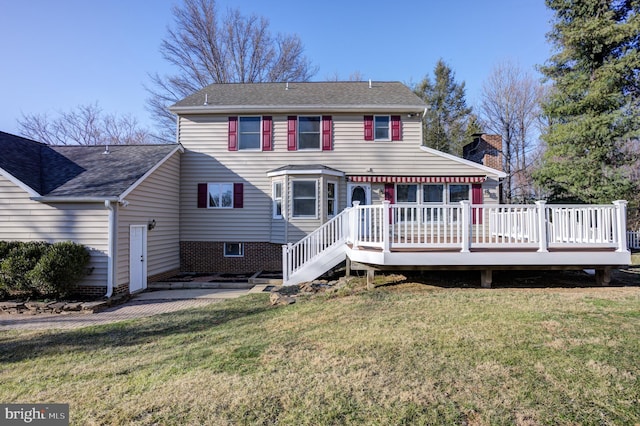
{"x": 22, "y": 219}
{"x": 157, "y": 198}
{"x": 206, "y": 159}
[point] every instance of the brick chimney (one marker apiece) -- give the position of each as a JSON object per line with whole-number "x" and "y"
{"x": 485, "y": 149}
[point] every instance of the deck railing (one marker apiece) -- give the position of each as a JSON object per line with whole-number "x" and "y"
{"x": 464, "y": 226}
{"x": 633, "y": 239}
{"x": 469, "y": 226}
{"x": 333, "y": 232}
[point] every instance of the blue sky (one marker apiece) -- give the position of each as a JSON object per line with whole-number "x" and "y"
{"x": 57, "y": 55}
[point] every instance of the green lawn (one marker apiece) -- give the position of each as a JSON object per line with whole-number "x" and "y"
{"x": 399, "y": 354}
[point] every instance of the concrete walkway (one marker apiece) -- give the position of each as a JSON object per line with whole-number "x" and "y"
{"x": 140, "y": 305}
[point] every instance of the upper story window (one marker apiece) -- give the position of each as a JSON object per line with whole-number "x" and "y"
{"x": 381, "y": 127}
{"x": 249, "y": 133}
{"x": 308, "y": 132}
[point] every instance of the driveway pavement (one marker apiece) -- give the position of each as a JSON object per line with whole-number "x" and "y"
{"x": 141, "y": 305}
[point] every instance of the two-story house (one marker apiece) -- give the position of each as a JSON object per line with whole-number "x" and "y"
{"x": 266, "y": 164}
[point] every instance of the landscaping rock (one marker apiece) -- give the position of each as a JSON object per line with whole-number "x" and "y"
{"x": 278, "y": 299}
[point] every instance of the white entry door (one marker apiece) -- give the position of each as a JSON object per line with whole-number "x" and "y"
{"x": 137, "y": 258}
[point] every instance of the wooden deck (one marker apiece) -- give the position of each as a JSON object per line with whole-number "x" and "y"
{"x": 485, "y": 238}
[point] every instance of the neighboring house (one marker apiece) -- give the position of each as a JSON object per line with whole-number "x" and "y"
{"x": 121, "y": 202}
{"x": 266, "y": 164}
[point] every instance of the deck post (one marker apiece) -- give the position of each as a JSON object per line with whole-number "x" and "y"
{"x": 621, "y": 219}
{"x": 486, "y": 278}
{"x": 542, "y": 227}
{"x": 285, "y": 262}
{"x": 371, "y": 273}
{"x": 353, "y": 223}
{"x": 466, "y": 225}
{"x": 385, "y": 226}
{"x": 347, "y": 271}
{"x": 603, "y": 276}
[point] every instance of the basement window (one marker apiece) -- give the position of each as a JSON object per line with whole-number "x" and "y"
{"x": 233, "y": 250}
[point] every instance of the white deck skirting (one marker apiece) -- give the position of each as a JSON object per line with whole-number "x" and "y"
{"x": 464, "y": 236}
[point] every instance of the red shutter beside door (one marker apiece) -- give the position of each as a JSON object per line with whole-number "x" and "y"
{"x": 327, "y": 133}
{"x": 476, "y": 198}
{"x": 368, "y": 127}
{"x": 396, "y": 128}
{"x": 202, "y": 195}
{"x": 291, "y": 133}
{"x": 238, "y": 195}
{"x": 390, "y": 195}
{"x": 233, "y": 133}
{"x": 267, "y": 141}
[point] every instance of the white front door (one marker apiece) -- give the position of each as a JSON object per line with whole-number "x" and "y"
{"x": 137, "y": 258}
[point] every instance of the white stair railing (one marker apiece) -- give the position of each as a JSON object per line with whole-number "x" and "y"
{"x": 331, "y": 233}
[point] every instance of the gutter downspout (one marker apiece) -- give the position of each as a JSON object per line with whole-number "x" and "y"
{"x": 110, "y": 247}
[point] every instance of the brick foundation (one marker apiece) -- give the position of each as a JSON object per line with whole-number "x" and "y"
{"x": 162, "y": 276}
{"x": 96, "y": 292}
{"x": 208, "y": 256}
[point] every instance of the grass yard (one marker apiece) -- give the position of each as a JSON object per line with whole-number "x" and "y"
{"x": 410, "y": 353}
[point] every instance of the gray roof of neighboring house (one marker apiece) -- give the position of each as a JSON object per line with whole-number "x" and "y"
{"x": 320, "y": 96}
{"x": 78, "y": 171}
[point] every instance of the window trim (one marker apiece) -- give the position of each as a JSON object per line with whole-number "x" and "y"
{"x": 375, "y": 120}
{"x": 335, "y": 199}
{"x": 275, "y": 199}
{"x": 407, "y": 202}
{"x": 240, "y": 246}
{"x": 259, "y": 132}
{"x": 293, "y": 199}
{"x": 443, "y": 193}
{"x": 449, "y": 185}
{"x": 220, "y": 184}
{"x": 298, "y": 133}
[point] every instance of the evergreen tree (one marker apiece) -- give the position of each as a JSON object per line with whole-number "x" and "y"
{"x": 447, "y": 115}
{"x": 593, "y": 109}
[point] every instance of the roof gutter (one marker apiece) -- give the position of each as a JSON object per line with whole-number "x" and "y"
{"x": 54, "y": 199}
{"x": 230, "y": 109}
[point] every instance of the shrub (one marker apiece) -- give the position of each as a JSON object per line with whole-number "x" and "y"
{"x": 60, "y": 268}
{"x": 15, "y": 265}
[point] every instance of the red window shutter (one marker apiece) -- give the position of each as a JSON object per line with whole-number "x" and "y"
{"x": 203, "y": 193}
{"x": 267, "y": 143}
{"x": 326, "y": 133}
{"x": 390, "y": 195}
{"x": 291, "y": 133}
{"x": 390, "y": 192}
{"x": 233, "y": 133}
{"x": 476, "y": 198}
{"x": 396, "y": 128}
{"x": 238, "y": 195}
{"x": 368, "y": 127}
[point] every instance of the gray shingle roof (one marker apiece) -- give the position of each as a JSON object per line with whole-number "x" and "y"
{"x": 78, "y": 171}
{"x": 322, "y": 95}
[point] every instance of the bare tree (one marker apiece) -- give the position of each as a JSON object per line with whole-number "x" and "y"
{"x": 205, "y": 48}
{"x": 84, "y": 125}
{"x": 510, "y": 106}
